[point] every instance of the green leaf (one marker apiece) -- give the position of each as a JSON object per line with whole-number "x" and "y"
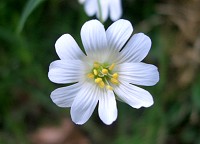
{"x": 7, "y": 36}
{"x": 196, "y": 94}
{"x": 29, "y": 8}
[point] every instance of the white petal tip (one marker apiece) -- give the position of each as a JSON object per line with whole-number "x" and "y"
{"x": 109, "y": 122}
{"x": 147, "y": 104}
{"x": 61, "y": 40}
{"x": 79, "y": 123}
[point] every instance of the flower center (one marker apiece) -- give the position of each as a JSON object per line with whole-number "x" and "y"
{"x": 103, "y": 75}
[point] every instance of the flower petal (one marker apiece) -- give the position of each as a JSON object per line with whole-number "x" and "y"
{"x": 91, "y": 7}
{"x": 84, "y": 103}
{"x": 67, "y": 48}
{"x": 133, "y": 95}
{"x": 94, "y": 40}
{"x": 107, "y": 107}
{"x": 104, "y": 10}
{"x": 136, "y": 49}
{"x": 63, "y": 97}
{"x": 81, "y": 1}
{"x": 118, "y": 34}
{"x": 138, "y": 73}
{"x": 115, "y": 10}
{"x": 66, "y": 71}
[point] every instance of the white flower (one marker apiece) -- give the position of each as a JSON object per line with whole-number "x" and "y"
{"x": 111, "y": 68}
{"x": 108, "y": 7}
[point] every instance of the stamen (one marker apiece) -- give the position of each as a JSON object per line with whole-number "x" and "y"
{"x": 98, "y": 80}
{"x": 103, "y": 76}
{"x": 96, "y": 65}
{"x": 109, "y": 87}
{"x": 114, "y": 81}
{"x": 104, "y": 71}
{"x": 115, "y": 75}
{"x": 111, "y": 67}
{"x": 101, "y": 84}
{"x": 95, "y": 72}
{"x": 90, "y": 75}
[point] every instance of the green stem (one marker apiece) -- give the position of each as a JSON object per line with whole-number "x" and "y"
{"x": 100, "y": 12}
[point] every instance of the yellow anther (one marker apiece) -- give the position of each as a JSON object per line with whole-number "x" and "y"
{"x": 109, "y": 87}
{"x": 101, "y": 84}
{"x": 98, "y": 80}
{"x": 90, "y": 75}
{"x": 114, "y": 81}
{"x": 111, "y": 67}
{"x": 115, "y": 75}
{"x": 95, "y": 72}
{"x": 104, "y": 71}
{"x": 96, "y": 64}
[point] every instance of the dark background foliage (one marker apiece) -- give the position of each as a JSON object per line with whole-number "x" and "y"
{"x": 28, "y": 31}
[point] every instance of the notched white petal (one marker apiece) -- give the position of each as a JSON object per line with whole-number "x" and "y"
{"x": 115, "y": 10}
{"x": 63, "y": 97}
{"x": 84, "y": 103}
{"x": 66, "y": 71}
{"x": 91, "y": 7}
{"x": 118, "y": 34}
{"x": 94, "y": 40}
{"x": 67, "y": 48}
{"x": 81, "y": 1}
{"x": 104, "y": 4}
{"x": 136, "y": 49}
{"x": 133, "y": 95}
{"x": 107, "y": 107}
{"x": 108, "y": 7}
{"x": 138, "y": 73}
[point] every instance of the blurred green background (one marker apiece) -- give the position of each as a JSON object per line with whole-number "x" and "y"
{"x": 28, "y": 31}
